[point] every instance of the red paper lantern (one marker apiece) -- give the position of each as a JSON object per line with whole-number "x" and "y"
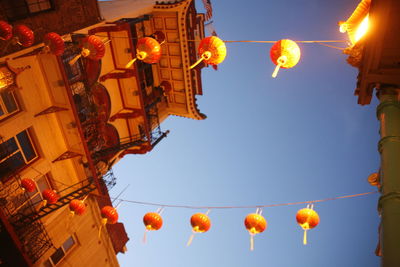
{"x": 24, "y": 35}
{"x": 307, "y": 219}
{"x": 200, "y": 222}
{"x": 255, "y": 223}
{"x": 5, "y": 30}
{"x": 284, "y": 54}
{"x": 28, "y": 184}
{"x": 77, "y": 206}
{"x": 148, "y": 50}
{"x": 152, "y": 221}
{"x": 110, "y": 214}
{"x": 54, "y": 43}
{"x": 212, "y": 50}
{"x": 93, "y": 48}
{"x": 50, "y": 196}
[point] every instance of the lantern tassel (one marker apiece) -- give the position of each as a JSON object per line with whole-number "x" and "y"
{"x": 251, "y": 242}
{"x": 130, "y": 63}
{"x": 197, "y": 63}
{"x": 74, "y": 60}
{"x": 144, "y": 240}
{"x": 190, "y": 240}
{"x": 103, "y": 223}
{"x": 305, "y": 237}
{"x": 275, "y": 73}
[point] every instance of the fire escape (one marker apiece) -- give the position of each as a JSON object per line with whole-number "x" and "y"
{"x": 24, "y": 215}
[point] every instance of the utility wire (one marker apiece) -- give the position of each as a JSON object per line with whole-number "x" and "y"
{"x": 243, "y": 207}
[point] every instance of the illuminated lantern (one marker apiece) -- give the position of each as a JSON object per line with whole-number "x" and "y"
{"x": 148, "y": 50}
{"x": 50, "y": 196}
{"x": 23, "y": 35}
{"x": 77, "y": 207}
{"x": 212, "y": 50}
{"x": 5, "y": 30}
{"x": 285, "y": 54}
{"x": 54, "y": 44}
{"x": 93, "y": 48}
{"x": 28, "y": 184}
{"x": 255, "y": 223}
{"x": 307, "y": 218}
{"x": 200, "y": 224}
{"x": 153, "y": 222}
{"x": 110, "y": 215}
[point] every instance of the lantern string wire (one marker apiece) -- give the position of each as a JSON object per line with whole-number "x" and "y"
{"x": 244, "y": 207}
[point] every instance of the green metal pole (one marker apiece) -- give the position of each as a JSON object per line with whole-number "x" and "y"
{"x": 388, "y": 113}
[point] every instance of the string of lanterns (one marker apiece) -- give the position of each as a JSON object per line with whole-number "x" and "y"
{"x": 255, "y": 223}
{"x": 212, "y": 50}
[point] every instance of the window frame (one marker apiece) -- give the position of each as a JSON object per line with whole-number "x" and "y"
{"x": 19, "y": 149}
{"x": 49, "y": 261}
{"x": 3, "y": 107}
{"x": 38, "y": 192}
{"x": 25, "y": 7}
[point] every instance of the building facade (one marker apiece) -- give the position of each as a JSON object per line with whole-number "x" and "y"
{"x": 66, "y": 119}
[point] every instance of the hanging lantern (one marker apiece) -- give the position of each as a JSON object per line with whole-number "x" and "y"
{"x": 307, "y": 218}
{"x": 110, "y": 215}
{"x": 54, "y": 44}
{"x": 201, "y": 223}
{"x": 152, "y": 221}
{"x": 212, "y": 50}
{"x": 23, "y": 35}
{"x": 50, "y": 196}
{"x": 148, "y": 50}
{"x": 77, "y": 207}
{"x": 255, "y": 223}
{"x": 284, "y": 54}
{"x": 5, "y": 30}
{"x": 28, "y": 184}
{"x": 92, "y": 47}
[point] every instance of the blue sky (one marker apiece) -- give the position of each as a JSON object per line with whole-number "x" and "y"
{"x": 301, "y": 136}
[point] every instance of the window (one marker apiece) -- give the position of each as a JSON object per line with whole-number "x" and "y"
{"x": 17, "y": 9}
{"x": 8, "y": 104}
{"x": 16, "y": 153}
{"x": 60, "y": 253}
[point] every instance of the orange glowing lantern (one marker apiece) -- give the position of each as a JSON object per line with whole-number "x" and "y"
{"x": 152, "y": 221}
{"x": 28, "y": 184}
{"x": 23, "y": 35}
{"x": 77, "y": 207}
{"x": 255, "y": 223}
{"x": 54, "y": 44}
{"x": 5, "y": 30}
{"x": 148, "y": 50}
{"x": 110, "y": 216}
{"x": 93, "y": 48}
{"x": 50, "y": 196}
{"x": 212, "y": 50}
{"x": 201, "y": 223}
{"x": 284, "y": 54}
{"x": 307, "y": 218}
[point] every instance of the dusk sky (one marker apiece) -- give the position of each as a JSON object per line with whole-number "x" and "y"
{"x": 299, "y": 137}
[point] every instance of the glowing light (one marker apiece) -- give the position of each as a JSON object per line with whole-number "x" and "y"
{"x": 362, "y": 29}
